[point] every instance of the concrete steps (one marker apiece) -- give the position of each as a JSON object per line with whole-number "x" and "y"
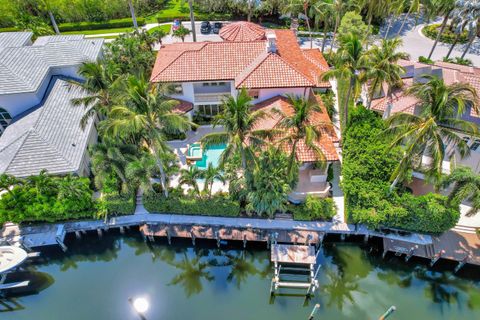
{"x": 464, "y": 229}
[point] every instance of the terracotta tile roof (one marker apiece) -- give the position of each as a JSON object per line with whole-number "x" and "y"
{"x": 242, "y": 31}
{"x": 245, "y": 62}
{"x": 182, "y": 106}
{"x": 303, "y": 153}
{"x": 264, "y": 71}
{"x": 454, "y": 66}
{"x": 401, "y": 101}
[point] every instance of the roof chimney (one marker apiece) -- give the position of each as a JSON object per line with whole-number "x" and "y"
{"x": 271, "y": 42}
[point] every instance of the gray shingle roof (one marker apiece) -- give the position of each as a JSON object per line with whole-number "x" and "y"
{"x": 14, "y": 39}
{"x": 22, "y": 69}
{"x": 41, "y": 41}
{"x": 48, "y": 138}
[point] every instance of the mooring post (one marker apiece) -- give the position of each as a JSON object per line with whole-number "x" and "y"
{"x": 244, "y": 241}
{"x": 366, "y": 237}
{"x": 314, "y": 311}
{"x": 122, "y": 230}
{"x": 218, "y": 238}
{"x": 384, "y": 254}
{"x": 193, "y": 237}
{"x": 388, "y": 313}
{"x": 309, "y": 238}
{"x": 436, "y": 257}
{"x": 461, "y": 263}
{"x": 151, "y": 238}
{"x": 342, "y": 236}
{"x": 99, "y": 232}
{"x": 409, "y": 254}
{"x": 78, "y": 234}
{"x": 169, "y": 237}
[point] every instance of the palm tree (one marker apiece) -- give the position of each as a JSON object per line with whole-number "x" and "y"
{"x": 322, "y": 11}
{"x": 181, "y": 32}
{"x": 384, "y": 68}
{"x": 393, "y": 8}
{"x": 111, "y": 157}
{"x": 414, "y": 7}
{"x": 159, "y": 34}
{"x": 339, "y": 7}
{"x": 433, "y": 132}
{"x": 210, "y": 175}
{"x": 132, "y": 12}
{"x": 295, "y": 8}
{"x": 70, "y": 187}
{"x": 46, "y": 6}
{"x": 7, "y": 182}
{"x": 192, "y": 20}
{"x": 142, "y": 171}
{"x": 466, "y": 186}
{"x": 42, "y": 182}
{"x": 239, "y": 123}
{"x": 351, "y": 63}
{"x": 101, "y": 86}
{"x": 190, "y": 177}
{"x": 445, "y": 8}
{"x": 147, "y": 113}
{"x": 299, "y": 128}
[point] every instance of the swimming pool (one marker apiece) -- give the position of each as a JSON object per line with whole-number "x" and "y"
{"x": 210, "y": 154}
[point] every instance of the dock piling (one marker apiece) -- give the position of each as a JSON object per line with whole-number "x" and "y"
{"x": 409, "y": 254}
{"x": 122, "y": 230}
{"x": 461, "y": 263}
{"x": 244, "y": 241}
{"x": 314, "y": 311}
{"x": 99, "y": 232}
{"x": 436, "y": 257}
{"x": 78, "y": 234}
{"x": 193, "y": 238}
{"x": 169, "y": 237}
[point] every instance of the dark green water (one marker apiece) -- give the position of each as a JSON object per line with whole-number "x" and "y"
{"x": 95, "y": 278}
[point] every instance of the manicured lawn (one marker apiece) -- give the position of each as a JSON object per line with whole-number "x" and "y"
{"x": 178, "y": 9}
{"x": 101, "y": 31}
{"x": 165, "y": 28}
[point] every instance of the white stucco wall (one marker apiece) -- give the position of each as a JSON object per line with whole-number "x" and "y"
{"x": 265, "y": 94}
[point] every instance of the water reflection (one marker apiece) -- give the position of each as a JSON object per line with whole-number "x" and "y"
{"x": 193, "y": 271}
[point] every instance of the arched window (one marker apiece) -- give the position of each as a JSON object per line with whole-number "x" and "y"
{"x": 5, "y": 119}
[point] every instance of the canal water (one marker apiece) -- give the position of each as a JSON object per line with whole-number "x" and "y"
{"x": 95, "y": 278}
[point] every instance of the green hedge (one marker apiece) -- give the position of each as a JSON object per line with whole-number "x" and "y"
{"x": 118, "y": 204}
{"x": 368, "y": 164}
{"x": 218, "y": 205}
{"x": 447, "y": 36}
{"x": 116, "y": 23}
{"x": 313, "y": 209}
{"x": 10, "y": 29}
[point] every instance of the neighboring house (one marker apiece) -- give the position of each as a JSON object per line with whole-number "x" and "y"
{"x": 26, "y": 68}
{"x": 39, "y": 126}
{"x": 451, "y": 74}
{"x": 270, "y": 64}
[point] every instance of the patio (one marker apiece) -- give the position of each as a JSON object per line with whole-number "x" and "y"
{"x": 311, "y": 181}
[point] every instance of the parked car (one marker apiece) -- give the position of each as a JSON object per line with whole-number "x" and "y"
{"x": 205, "y": 27}
{"x": 176, "y": 24}
{"x": 216, "y": 27}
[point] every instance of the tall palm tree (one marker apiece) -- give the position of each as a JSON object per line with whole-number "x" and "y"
{"x": 147, "y": 113}
{"x": 466, "y": 186}
{"x": 413, "y": 8}
{"x": 445, "y": 8}
{"x": 300, "y": 128}
{"x": 181, "y": 32}
{"x": 132, "y": 12}
{"x": 433, "y": 132}
{"x": 210, "y": 175}
{"x": 350, "y": 65}
{"x": 46, "y": 6}
{"x": 384, "y": 68}
{"x": 159, "y": 34}
{"x": 239, "y": 123}
{"x": 339, "y": 7}
{"x": 322, "y": 12}
{"x": 192, "y": 20}
{"x": 111, "y": 157}
{"x": 190, "y": 177}
{"x": 393, "y": 9}
{"x": 101, "y": 84}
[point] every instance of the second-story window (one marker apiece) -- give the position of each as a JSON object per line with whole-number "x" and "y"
{"x": 475, "y": 145}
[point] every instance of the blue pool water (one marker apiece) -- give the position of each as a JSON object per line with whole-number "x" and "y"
{"x": 211, "y": 155}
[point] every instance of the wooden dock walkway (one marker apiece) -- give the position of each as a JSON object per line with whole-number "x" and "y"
{"x": 456, "y": 245}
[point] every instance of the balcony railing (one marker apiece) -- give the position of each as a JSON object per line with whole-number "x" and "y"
{"x": 211, "y": 97}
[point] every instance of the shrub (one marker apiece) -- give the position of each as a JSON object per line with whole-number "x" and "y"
{"x": 368, "y": 164}
{"x": 46, "y": 198}
{"x": 9, "y": 29}
{"x": 119, "y": 204}
{"x": 178, "y": 203}
{"x": 110, "y": 24}
{"x": 426, "y": 60}
{"x": 448, "y": 36}
{"x": 314, "y": 209}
